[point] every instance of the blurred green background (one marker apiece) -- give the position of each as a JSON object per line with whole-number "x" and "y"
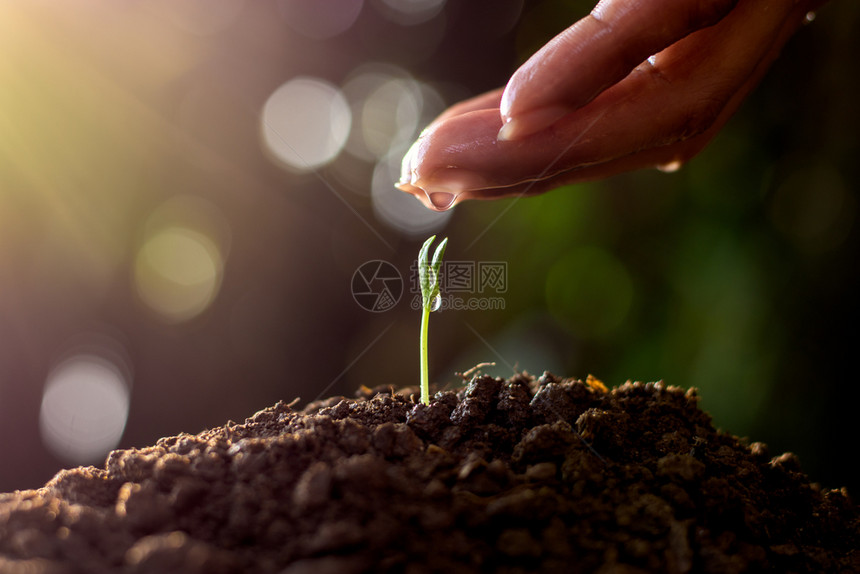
{"x": 188, "y": 188}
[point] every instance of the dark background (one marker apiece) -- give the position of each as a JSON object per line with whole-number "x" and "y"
{"x": 132, "y": 146}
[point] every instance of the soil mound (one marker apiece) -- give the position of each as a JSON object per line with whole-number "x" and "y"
{"x": 518, "y": 475}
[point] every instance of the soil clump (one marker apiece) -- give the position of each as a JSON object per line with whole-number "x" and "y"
{"x": 519, "y": 475}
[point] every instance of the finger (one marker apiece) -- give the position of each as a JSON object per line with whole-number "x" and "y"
{"x": 457, "y": 184}
{"x": 485, "y": 101}
{"x": 667, "y": 158}
{"x": 462, "y": 153}
{"x": 653, "y": 108}
{"x": 595, "y": 53}
{"x": 647, "y": 158}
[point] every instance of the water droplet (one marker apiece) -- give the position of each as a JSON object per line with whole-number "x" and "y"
{"x": 442, "y": 200}
{"x": 437, "y": 302}
{"x": 810, "y": 16}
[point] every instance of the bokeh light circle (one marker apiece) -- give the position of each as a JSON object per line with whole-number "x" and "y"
{"x": 813, "y": 208}
{"x": 399, "y": 210}
{"x": 178, "y": 272}
{"x": 389, "y": 108}
{"x": 305, "y": 123}
{"x": 389, "y": 116}
{"x": 179, "y": 264}
{"x": 84, "y": 408}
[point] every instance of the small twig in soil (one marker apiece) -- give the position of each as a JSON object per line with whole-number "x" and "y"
{"x": 467, "y": 375}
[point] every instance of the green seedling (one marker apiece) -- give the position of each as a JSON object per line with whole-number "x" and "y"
{"x": 428, "y": 278}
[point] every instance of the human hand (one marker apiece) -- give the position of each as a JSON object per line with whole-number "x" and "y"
{"x": 637, "y": 83}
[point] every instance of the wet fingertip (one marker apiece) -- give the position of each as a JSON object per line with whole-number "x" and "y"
{"x": 439, "y": 200}
{"x": 443, "y": 189}
{"x": 452, "y": 180}
{"x": 436, "y": 200}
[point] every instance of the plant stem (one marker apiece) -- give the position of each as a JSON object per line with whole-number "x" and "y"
{"x": 425, "y": 376}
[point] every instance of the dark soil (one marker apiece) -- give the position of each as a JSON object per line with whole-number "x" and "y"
{"x": 522, "y": 475}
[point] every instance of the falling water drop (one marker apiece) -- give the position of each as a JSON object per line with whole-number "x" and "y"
{"x": 437, "y": 302}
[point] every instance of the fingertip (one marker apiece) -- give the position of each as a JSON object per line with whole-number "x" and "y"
{"x": 406, "y": 187}
{"x": 434, "y": 200}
